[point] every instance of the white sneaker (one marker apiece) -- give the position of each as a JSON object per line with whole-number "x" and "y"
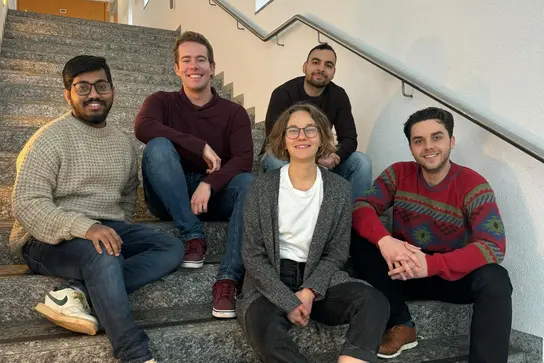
{"x": 69, "y": 309}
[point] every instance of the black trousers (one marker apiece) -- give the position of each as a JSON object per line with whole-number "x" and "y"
{"x": 361, "y": 306}
{"x": 488, "y": 288}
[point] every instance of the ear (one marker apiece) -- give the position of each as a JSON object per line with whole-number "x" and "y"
{"x": 68, "y": 96}
{"x": 304, "y": 67}
{"x": 452, "y": 142}
{"x": 212, "y": 67}
{"x": 177, "y": 69}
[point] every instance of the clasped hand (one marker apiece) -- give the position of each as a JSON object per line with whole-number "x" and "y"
{"x": 404, "y": 260}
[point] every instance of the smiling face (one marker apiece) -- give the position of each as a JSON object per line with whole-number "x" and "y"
{"x": 94, "y": 107}
{"x": 431, "y": 145}
{"x": 320, "y": 67}
{"x": 304, "y": 147}
{"x": 194, "y": 67}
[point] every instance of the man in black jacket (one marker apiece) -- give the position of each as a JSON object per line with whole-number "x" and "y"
{"x": 316, "y": 87}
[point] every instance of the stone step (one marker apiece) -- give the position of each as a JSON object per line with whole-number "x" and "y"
{"x": 31, "y": 17}
{"x": 31, "y": 45}
{"x": 55, "y": 70}
{"x": 114, "y": 63}
{"x": 179, "y": 289}
{"x": 193, "y": 286}
{"x": 90, "y": 33}
{"x": 122, "y": 83}
{"x": 204, "y": 339}
{"x": 216, "y": 234}
{"x": 89, "y": 46}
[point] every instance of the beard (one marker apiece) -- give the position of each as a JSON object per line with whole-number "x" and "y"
{"x": 91, "y": 118}
{"x": 317, "y": 84}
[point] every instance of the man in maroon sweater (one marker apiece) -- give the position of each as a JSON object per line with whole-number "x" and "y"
{"x": 446, "y": 242}
{"x": 197, "y": 163}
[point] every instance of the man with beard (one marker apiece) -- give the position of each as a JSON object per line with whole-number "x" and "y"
{"x": 446, "y": 244}
{"x": 197, "y": 163}
{"x": 316, "y": 87}
{"x": 73, "y": 200}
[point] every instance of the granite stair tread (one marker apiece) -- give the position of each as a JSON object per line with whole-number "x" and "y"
{"x": 321, "y": 343}
{"x": 90, "y": 32}
{"x": 16, "y": 15}
{"x": 104, "y": 45}
{"x": 61, "y": 59}
{"x": 31, "y": 45}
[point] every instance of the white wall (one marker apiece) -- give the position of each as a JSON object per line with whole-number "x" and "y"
{"x": 488, "y": 52}
{"x": 3, "y": 14}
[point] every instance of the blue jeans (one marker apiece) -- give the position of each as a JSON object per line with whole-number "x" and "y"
{"x": 168, "y": 190}
{"x": 146, "y": 256}
{"x": 357, "y": 169}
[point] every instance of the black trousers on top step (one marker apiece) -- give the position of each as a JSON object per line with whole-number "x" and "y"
{"x": 487, "y": 288}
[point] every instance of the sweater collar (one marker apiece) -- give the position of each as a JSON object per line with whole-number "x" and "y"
{"x": 89, "y": 130}
{"x": 185, "y": 100}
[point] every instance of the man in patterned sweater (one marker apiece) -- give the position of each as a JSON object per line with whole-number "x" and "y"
{"x": 446, "y": 243}
{"x": 73, "y": 201}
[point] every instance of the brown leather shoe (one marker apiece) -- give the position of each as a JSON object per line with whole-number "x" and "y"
{"x": 397, "y": 339}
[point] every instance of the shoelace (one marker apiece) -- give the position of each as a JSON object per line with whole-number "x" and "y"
{"x": 194, "y": 246}
{"x": 79, "y": 296}
{"x": 227, "y": 291}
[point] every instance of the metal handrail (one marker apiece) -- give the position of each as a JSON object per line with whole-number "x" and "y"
{"x": 431, "y": 91}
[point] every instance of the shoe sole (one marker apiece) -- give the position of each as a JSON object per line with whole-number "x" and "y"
{"x": 192, "y": 264}
{"x": 77, "y": 325}
{"x": 223, "y": 314}
{"x": 404, "y": 347}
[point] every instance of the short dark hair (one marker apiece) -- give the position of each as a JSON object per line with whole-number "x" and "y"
{"x": 190, "y": 36}
{"x": 82, "y": 64}
{"x": 431, "y": 113}
{"x": 322, "y": 46}
{"x": 276, "y": 139}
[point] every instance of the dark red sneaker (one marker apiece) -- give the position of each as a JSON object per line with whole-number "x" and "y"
{"x": 195, "y": 250}
{"x": 224, "y": 299}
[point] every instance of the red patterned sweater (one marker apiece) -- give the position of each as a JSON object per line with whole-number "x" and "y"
{"x": 458, "y": 219}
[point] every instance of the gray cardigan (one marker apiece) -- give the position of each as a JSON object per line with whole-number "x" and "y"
{"x": 329, "y": 248}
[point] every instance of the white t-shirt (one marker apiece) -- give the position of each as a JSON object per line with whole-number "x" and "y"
{"x": 297, "y": 216}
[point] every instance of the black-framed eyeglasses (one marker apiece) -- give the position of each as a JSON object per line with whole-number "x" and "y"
{"x": 83, "y": 88}
{"x": 293, "y": 132}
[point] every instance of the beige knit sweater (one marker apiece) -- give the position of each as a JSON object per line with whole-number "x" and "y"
{"x": 69, "y": 176}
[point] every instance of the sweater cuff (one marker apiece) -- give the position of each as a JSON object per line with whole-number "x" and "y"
{"x": 81, "y": 225}
{"x": 433, "y": 264}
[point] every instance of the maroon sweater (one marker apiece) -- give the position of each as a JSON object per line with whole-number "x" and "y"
{"x": 222, "y": 124}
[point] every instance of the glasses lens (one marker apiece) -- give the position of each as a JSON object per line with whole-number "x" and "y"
{"x": 310, "y": 131}
{"x": 83, "y": 88}
{"x": 102, "y": 87}
{"x": 292, "y": 133}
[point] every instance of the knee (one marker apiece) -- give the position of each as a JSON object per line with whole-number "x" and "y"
{"x": 360, "y": 160}
{"x": 242, "y": 183}
{"x": 102, "y": 263}
{"x": 270, "y": 162}
{"x": 492, "y": 279}
{"x": 158, "y": 150}
{"x": 175, "y": 250}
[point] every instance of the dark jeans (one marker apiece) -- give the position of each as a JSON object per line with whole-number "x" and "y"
{"x": 168, "y": 190}
{"x": 361, "y": 306}
{"x": 488, "y": 288}
{"x": 146, "y": 256}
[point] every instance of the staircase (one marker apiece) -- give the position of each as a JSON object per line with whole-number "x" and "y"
{"x": 175, "y": 311}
